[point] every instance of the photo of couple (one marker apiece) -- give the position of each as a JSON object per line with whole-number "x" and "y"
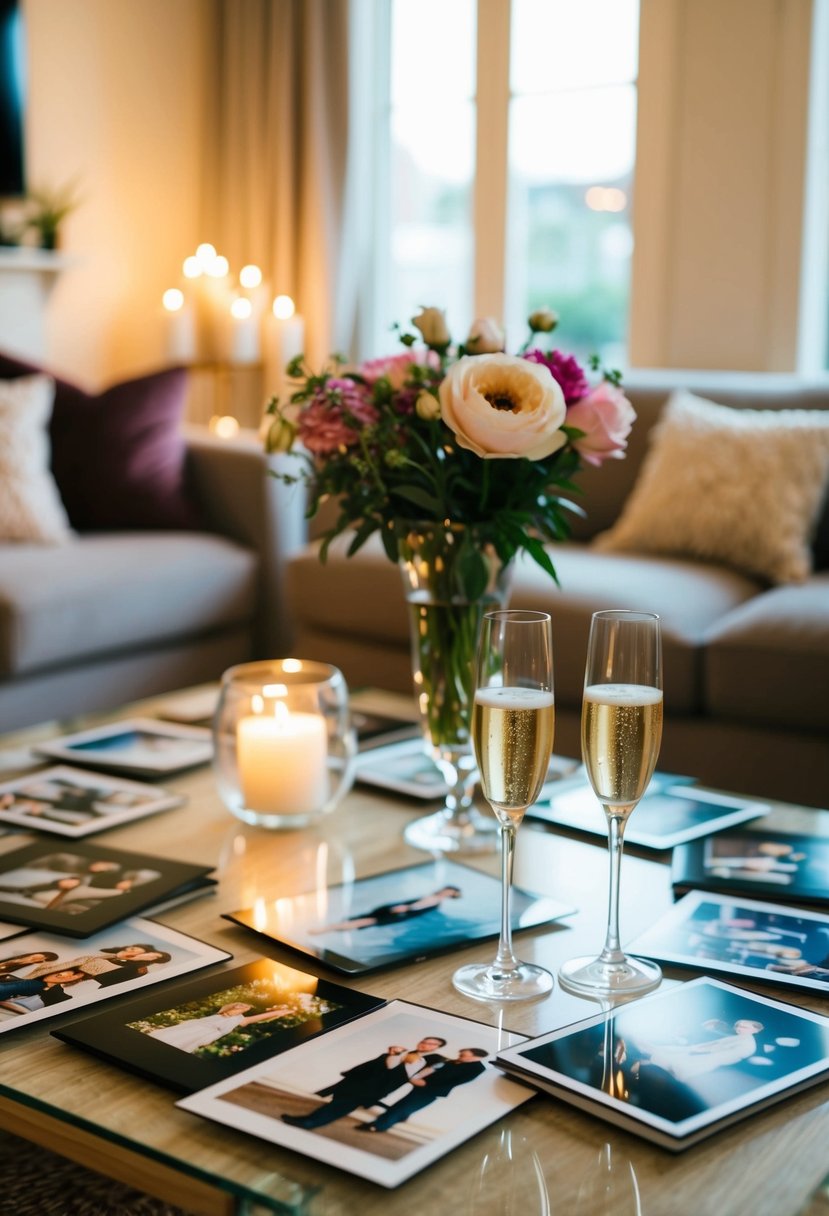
{"x": 42, "y": 975}
{"x": 70, "y": 802}
{"x": 743, "y": 937}
{"x": 69, "y": 881}
{"x": 402, "y": 914}
{"x": 382, "y": 1096}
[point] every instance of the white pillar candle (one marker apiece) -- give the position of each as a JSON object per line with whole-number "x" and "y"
{"x": 180, "y": 327}
{"x": 282, "y": 761}
{"x": 244, "y": 332}
{"x": 284, "y": 340}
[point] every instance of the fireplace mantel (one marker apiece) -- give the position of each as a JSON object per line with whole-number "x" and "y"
{"x": 27, "y": 277}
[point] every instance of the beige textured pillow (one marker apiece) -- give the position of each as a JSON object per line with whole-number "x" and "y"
{"x": 30, "y": 505}
{"x": 739, "y": 487}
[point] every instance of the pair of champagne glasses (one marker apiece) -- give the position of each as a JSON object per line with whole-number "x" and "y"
{"x": 513, "y": 721}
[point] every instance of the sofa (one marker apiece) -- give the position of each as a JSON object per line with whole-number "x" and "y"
{"x": 746, "y": 658}
{"x": 169, "y": 570}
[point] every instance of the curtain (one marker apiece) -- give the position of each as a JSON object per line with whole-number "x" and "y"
{"x": 278, "y": 138}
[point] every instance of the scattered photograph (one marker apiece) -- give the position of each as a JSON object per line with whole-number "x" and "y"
{"x": 680, "y": 1064}
{"x": 42, "y": 975}
{"x": 206, "y": 1029}
{"x": 742, "y": 937}
{"x": 378, "y": 729}
{"x": 784, "y": 866}
{"x": 140, "y": 747}
{"x": 672, "y": 811}
{"x": 71, "y": 802}
{"x": 87, "y": 886}
{"x": 394, "y": 917}
{"x": 382, "y": 1097}
{"x": 403, "y": 767}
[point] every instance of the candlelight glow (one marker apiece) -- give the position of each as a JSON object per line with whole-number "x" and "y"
{"x": 283, "y": 307}
{"x": 250, "y": 276}
{"x": 205, "y": 255}
{"x": 218, "y": 268}
{"x": 192, "y": 267}
{"x": 224, "y": 426}
{"x": 173, "y": 299}
{"x": 241, "y": 308}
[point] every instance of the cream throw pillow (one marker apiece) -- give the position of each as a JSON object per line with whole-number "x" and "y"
{"x": 30, "y": 505}
{"x": 739, "y": 487}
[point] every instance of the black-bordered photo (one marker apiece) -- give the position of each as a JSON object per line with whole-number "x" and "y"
{"x": 78, "y": 887}
{"x": 672, "y": 811}
{"x": 682, "y": 1063}
{"x": 72, "y": 802}
{"x": 736, "y": 936}
{"x": 395, "y": 917}
{"x": 771, "y": 865}
{"x": 42, "y": 975}
{"x": 197, "y": 1033}
{"x": 138, "y": 747}
{"x": 382, "y": 1097}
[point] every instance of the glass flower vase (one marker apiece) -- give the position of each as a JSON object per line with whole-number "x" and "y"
{"x": 452, "y": 575}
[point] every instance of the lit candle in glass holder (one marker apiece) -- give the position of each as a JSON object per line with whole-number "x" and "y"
{"x": 282, "y": 760}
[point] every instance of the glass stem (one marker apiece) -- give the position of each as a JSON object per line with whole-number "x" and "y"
{"x": 505, "y": 960}
{"x": 612, "y": 952}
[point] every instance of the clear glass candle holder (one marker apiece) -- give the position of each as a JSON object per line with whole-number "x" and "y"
{"x": 283, "y": 745}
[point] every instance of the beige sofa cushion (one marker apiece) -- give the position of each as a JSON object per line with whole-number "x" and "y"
{"x": 30, "y": 505}
{"x": 741, "y": 487}
{"x": 762, "y": 658}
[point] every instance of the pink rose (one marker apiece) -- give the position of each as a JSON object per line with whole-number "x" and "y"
{"x": 396, "y": 367}
{"x": 606, "y": 417}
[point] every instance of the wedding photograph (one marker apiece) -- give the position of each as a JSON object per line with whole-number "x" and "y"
{"x": 382, "y": 1097}
{"x": 211, "y": 1027}
{"x": 42, "y": 975}
{"x": 72, "y": 802}
{"x": 395, "y": 916}
{"x": 87, "y": 886}
{"x": 780, "y": 945}
{"x": 675, "y": 1065}
{"x": 771, "y": 865}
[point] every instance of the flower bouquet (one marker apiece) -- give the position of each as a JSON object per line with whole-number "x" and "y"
{"x": 459, "y": 456}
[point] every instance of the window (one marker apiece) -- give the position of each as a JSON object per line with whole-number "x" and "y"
{"x": 561, "y": 234}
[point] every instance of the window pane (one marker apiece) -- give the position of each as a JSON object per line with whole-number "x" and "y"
{"x": 559, "y": 44}
{"x": 569, "y": 233}
{"x": 431, "y": 164}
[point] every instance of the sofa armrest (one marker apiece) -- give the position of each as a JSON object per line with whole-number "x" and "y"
{"x": 230, "y": 479}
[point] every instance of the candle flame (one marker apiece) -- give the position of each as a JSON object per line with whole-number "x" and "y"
{"x": 257, "y": 703}
{"x": 173, "y": 299}
{"x": 280, "y": 712}
{"x": 283, "y": 307}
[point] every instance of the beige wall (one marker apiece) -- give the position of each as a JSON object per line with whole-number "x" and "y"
{"x": 115, "y": 102}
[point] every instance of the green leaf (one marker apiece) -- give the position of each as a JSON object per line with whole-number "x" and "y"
{"x": 419, "y": 496}
{"x": 472, "y": 571}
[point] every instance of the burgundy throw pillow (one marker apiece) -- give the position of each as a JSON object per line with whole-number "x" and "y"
{"x": 118, "y": 457}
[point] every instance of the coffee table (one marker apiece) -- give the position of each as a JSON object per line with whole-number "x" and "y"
{"x": 545, "y": 1157}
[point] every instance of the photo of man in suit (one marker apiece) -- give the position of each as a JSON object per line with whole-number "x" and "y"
{"x": 367, "y": 1083}
{"x": 431, "y": 1083}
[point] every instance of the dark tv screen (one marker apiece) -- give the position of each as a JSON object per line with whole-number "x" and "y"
{"x": 12, "y": 97}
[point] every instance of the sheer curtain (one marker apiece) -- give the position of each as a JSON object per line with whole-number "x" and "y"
{"x": 276, "y": 165}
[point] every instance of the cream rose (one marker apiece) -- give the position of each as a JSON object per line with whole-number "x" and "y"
{"x": 432, "y": 325}
{"x": 427, "y": 406}
{"x": 503, "y": 406}
{"x": 486, "y": 337}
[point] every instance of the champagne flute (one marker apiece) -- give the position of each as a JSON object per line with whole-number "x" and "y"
{"x": 621, "y": 730}
{"x": 513, "y": 719}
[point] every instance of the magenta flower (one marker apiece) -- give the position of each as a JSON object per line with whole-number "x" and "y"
{"x": 331, "y": 419}
{"x": 566, "y": 370}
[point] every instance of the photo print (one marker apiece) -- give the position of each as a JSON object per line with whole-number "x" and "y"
{"x": 397, "y": 916}
{"x": 742, "y": 937}
{"x": 139, "y": 747}
{"x": 72, "y": 802}
{"x": 776, "y": 866}
{"x": 42, "y": 975}
{"x": 382, "y": 1097}
{"x": 82, "y": 887}
{"x": 206, "y": 1029}
{"x": 679, "y": 1064}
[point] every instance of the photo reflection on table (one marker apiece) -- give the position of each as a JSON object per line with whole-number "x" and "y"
{"x": 611, "y": 1187}
{"x": 510, "y": 1177}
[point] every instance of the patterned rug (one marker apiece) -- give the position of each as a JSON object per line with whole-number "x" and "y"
{"x": 34, "y": 1182}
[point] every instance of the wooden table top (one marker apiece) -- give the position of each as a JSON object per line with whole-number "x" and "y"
{"x": 545, "y": 1157}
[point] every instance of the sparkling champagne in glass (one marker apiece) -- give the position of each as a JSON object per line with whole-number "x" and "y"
{"x": 621, "y": 731}
{"x": 513, "y": 720}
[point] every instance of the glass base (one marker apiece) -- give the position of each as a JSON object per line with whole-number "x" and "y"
{"x": 594, "y": 977}
{"x": 445, "y": 832}
{"x": 274, "y": 822}
{"x": 488, "y": 982}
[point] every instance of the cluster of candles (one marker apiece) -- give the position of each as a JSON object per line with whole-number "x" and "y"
{"x": 213, "y": 316}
